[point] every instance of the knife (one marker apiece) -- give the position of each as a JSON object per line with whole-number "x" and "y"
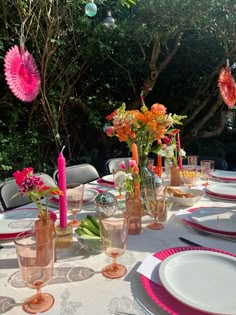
{"x": 189, "y": 242}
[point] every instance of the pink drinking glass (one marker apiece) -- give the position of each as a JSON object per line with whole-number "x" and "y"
{"x": 74, "y": 199}
{"x": 113, "y": 231}
{"x": 207, "y": 168}
{"x": 36, "y": 269}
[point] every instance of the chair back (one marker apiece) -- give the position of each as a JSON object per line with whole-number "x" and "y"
{"x": 80, "y": 173}
{"x": 113, "y": 163}
{"x": 9, "y": 193}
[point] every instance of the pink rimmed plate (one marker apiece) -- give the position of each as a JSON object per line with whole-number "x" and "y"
{"x": 161, "y": 296}
{"x": 204, "y": 228}
{"x": 224, "y": 175}
{"x": 15, "y": 221}
{"x": 226, "y": 191}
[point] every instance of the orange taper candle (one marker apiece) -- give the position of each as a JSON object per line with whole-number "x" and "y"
{"x": 159, "y": 163}
{"x": 136, "y": 170}
{"x": 135, "y": 152}
{"x": 159, "y": 166}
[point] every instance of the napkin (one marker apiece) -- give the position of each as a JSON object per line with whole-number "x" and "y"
{"x": 102, "y": 182}
{"x": 150, "y": 269}
{"x": 184, "y": 214}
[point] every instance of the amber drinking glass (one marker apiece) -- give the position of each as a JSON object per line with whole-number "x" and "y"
{"x": 74, "y": 199}
{"x": 36, "y": 269}
{"x": 114, "y": 232}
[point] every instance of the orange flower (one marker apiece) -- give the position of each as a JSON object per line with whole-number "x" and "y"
{"x": 143, "y": 127}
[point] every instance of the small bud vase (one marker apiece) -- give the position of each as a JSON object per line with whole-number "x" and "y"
{"x": 44, "y": 231}
{"x": 134, "y": 213}
{"x": 175, "y": 179}
{"x": 168, "y": 164}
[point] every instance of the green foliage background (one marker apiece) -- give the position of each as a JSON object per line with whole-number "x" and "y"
{"x": 87, "y": 70}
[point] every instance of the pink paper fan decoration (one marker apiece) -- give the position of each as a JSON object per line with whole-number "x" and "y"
{"x": 227, "y": 86}
{"x": 22, "y": 74}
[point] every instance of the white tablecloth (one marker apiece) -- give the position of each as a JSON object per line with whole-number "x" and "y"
{"x": 78, "y": 285}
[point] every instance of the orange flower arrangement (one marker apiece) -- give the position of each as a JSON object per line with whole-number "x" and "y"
{"x": 144, "y": 127}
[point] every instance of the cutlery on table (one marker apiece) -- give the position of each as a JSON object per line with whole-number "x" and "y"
{"x": 189, "y": 242}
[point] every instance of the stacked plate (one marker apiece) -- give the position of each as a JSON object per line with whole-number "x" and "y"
{"x": 13, "y": 222}
{"x": 222, "y": 191}
{"x": 227, "y": 176}
{"x": 194, "y": 281}
{"x": 106, "y": 180}
{"x": 214, "y": 220}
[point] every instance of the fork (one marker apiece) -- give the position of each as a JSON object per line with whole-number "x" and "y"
{"x": 141, "y": 307}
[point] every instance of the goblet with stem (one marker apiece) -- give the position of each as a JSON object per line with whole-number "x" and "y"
{"x": 189, "y": 175}
{"x": 113, "y": 231}
{"x": 157, "y": 203}
{"x": 207, "y": 168}
{"x": 36, "y": 269}
{"x": 74, "y": 198}
{"x": 119, "y": 177}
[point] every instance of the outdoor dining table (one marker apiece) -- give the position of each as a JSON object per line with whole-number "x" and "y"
{"x": 78, "y": 286}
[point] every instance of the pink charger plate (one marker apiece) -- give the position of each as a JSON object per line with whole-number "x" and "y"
{"x": 205, "y": 229}
{"x": 10, "y": 236}
{"x": 161, "y": 296}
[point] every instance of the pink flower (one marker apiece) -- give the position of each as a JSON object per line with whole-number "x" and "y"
{"x": 110, "y": 131}
{"x": 132, "y": 164}
{"x": 122, "y": 165}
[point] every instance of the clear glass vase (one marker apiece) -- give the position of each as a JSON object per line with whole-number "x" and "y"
{"x": 168, "y": 164}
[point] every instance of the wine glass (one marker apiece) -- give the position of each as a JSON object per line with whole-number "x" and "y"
{"x": 36, "y": 269}
{"x": 189, "y": 175}
{"x": 157, "y": 203}
{"x": 74, "y": 198}
{"x": 119, "y": 177}
{"x": 207, "y": 168}
{"x": 113, "y": 231}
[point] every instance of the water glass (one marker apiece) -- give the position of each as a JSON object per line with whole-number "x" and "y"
{"x": 207, "y": 168}
{"x": 74, "y": 198}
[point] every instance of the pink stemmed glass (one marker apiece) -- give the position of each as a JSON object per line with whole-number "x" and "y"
{"x": 36, "y": 269}
{"x": 207, "y": 168}
{"x": 157, "y": 203}
{"x": 74, "y": 199}
{"x": 113, "y": 231}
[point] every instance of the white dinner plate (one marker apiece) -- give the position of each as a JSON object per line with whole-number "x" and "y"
{"x": 108, "y": 178}
{"x": 224, "y": 175}
{"x": 16, "y": 221}
{"x": 89, "y": 195}
{"x": 225, "y": 190}
{"x": 220, "y": 219}
{"x": 203, "y": 280}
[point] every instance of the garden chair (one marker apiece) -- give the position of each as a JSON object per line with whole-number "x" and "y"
{"x": 9, "y": 196}
{"x": 113, "y": 163}
{"x": 80, "y": 173}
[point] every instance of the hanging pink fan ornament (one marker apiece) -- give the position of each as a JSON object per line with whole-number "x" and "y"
{"x": 227, "y": 86}
{"x": 22, "y": 74}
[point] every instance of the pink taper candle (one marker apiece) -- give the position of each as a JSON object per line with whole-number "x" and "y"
{"x": 61, "y": 164}
{"x": 179, "y": 147}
